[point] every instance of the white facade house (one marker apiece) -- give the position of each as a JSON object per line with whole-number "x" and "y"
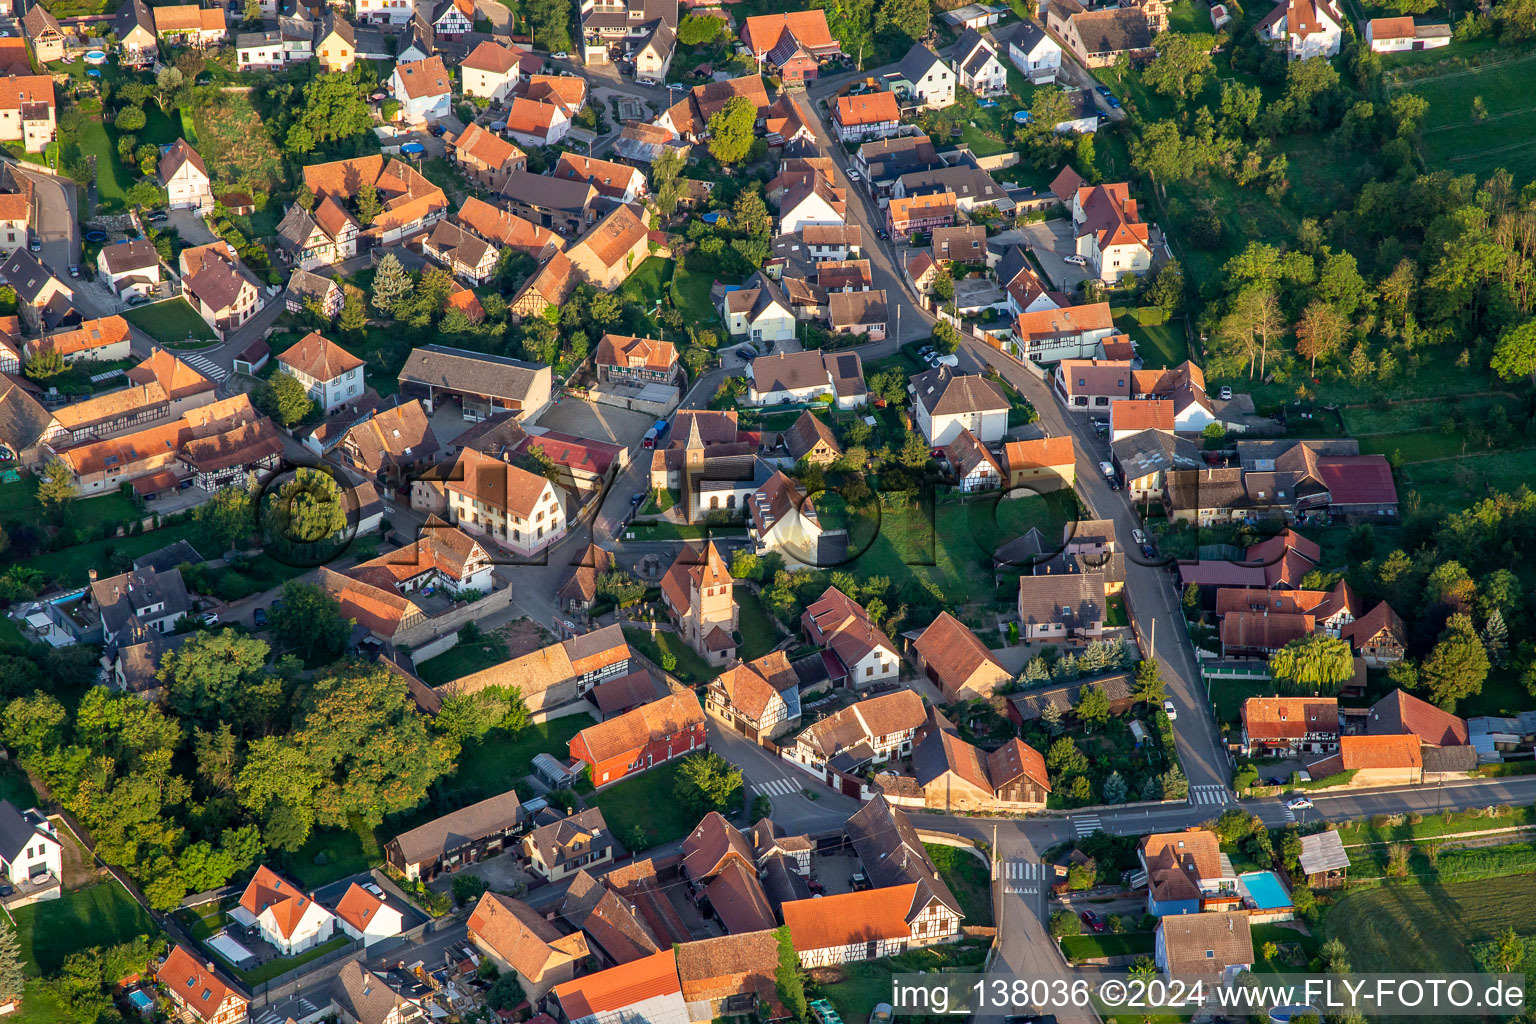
{"x": 946, "y": 404}
{"x": 31, "y": 857}
{"x": 330, "y": 374}
{"x": 929, "y": 81}
{"x": 490, "y": 72}
{"x": 185, "y": 178}
{"x": 129, "y": 268}
{"x": 282, "y": 914}
{"x": 807, "y": 207}
{"x": 384, "y": 12}
{"x": 260, "y": 51}
{"x": 977, "y": 65}
{"x": 366, "y": 915}
{"x": 1034, "y": 53}
{"x": 1308, "y": 28}
{"x": 806, "y": 376}
{"x": 783, "y": 520}
{"x": 517, "y": 509}
{"x": 1394, "y": 35}
{"x": 423, "y": 89}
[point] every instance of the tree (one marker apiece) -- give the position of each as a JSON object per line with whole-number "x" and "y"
{"x": 1495, "y": 636}
{"x": 1051, "y": 716}
{"x": 354, "y": 312}
{"x": 666, "y": 171}
{"x": 943, "y": 287}
{"x": 1320, "y": 333}
{"x": 283, "y": 398}
{"x": 696, "y": 30}
{"x": 1093, "y": 705}
{"x": 1183, "y": 63}
{"x": 12, "y": 976}
{"x": 1064, "y": 923}
{"x": 306, "y": 509}
{"x": 946, "y": 337}
{"x": 1114, "y": 789}
{"x": 252, "y": 12}
{"x": 1315, "y": 663}
{"x": 49, "y": 362}
{"x": 167, "y": 83}
{"x": 1508, "y": 955}
{"x": 310, "y": 622}
{"x": 1151, "y": 690}
{"x": 129, "y": 119}
{"x": 908, "y": 17}
{"x": 1215, "y": 431}
{"x": 731, "y": 130}
{"x": 370, "y": 751}
{"x": 707, "y": 782}
{"x": 1175, "y": 785}
{"x": 1166, "y": 289}
{"x": 57, "y": 484}
{"x": 550, "y": 21}
{"x": 227, "y": 517}
{"x": 1065, "y": 759}
{"x": 1458, "y": 664}
{"x": 788, "y": 981}
{"x": 1515, "y": 354}
{"x": 390, "y": 283}
{"x": 208, "y": 676}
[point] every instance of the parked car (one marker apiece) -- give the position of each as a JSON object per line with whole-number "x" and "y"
{"x": 1139, "y": 536}
{"x": 637, "y": 497}
{"x": 925, "y": 351}
{"x": 561, "y": 55}
{"x": 1226, "y": 394}
{"x": 74, "y": 270}
{"x": 1092, "y": 920}
{"x": 260, "y": 617}
{"x": 1300, "y": 803}
{"x": 1075, "y": 260}
{"x": 137, "y": 300}
{"x": 1149, "y": 551}
{"x": 209, "y": 618}
{"x": 439, "y": 130}
{"x": 36, "y": 245}
{"x": 853, "y": 175}
{"x": 158, "y": 216}
{"x": 815, "y": 886}
{"x": 5, "y": 889}
{"x": 1169, "y": 710}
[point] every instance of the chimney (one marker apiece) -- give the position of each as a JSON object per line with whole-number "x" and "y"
{"x": 91, "y": 573}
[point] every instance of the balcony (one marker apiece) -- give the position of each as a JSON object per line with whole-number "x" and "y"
{"x": 34, "y": 890}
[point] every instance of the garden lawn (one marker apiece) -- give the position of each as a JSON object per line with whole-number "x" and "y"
{"x": 332, "y": 854}
{"x": 70, "y": 567}
{"x": 101, "y": 915}
{"x": 690, "y": 295}
{"x": 461, "y": 660}
{"x": 1418, "y": 926}
{"x": 648, "y": 281}
{"x": 491, "y": 765}
{"x": 272, "y": 968}
{"x": 112, "y": 178}
{"x": 1454, "y": 484}
{"x": 647, "y": 801}
{"x": 968, "y": 878}
{"x": 759, "y": 632}
{"x": 1089, "y": 947}
{"x": 173, "y": 322}
{"x": 691, "y": 668}
{"x": 20, "y": 498}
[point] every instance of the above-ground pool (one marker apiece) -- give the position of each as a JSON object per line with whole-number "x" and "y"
{"x": 95, "y": 57}
{"x": 1266, "y": 891}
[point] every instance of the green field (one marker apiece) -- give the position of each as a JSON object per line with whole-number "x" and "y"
{"x": 173, "y": 322}
{"x": 1413, "y": 928}
{"x": 1460, "y": 482}
{"x": 969, "y": 878}
{"x": 647, "y": 802}
{"x": 101, "y": 915}
{"x": 332, "y": 853}
{"x": 1505, "y": 138}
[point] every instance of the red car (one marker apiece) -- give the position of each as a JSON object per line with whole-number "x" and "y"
{"x": 1092, "y": 920}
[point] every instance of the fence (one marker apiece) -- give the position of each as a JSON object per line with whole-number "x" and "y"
{"x": 427, "y": 631}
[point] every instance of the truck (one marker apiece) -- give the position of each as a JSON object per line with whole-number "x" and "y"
{"x": 1109, "y": 475}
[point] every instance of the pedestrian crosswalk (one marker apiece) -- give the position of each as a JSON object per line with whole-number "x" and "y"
{"x": 277, "y": 1016}
{"x": 1086, "y": 824}
{"x": 205, "y": 366}
{"x": 1022, "y": 877}
{"x": 1216, "y": 795}
{"x": 776, "y": 787}
{"x": 1287, "y": 813}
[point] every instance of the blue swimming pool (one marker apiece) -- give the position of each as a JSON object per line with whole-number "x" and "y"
{"x": 140, "y": 1000}
{"x": 1265, "y": 889}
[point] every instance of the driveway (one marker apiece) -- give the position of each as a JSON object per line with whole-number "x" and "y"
{"x": 602, "y": 422}
{"x": 192, "y": 228}
{"x": 1051, "y": 241}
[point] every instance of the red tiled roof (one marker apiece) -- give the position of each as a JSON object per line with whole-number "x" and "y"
{"x": 619, "y": 987}
{"x": 848, "y": 918}
{"x": 869, "y": 108}
{"x": 1289, "y": 718}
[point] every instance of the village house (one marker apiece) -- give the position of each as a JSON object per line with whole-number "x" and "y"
{"x": 1186, "y": 872}
{"x": 1218, "y": 946}
{"x": 219, "y": 287}
{"x": 1110, "y": 233}
{"x": 806, "y": 376}
{"x": 490, "y": 72}
{"x": 563, "y": 206}
{"x": 322, "y": 238}
{"x": 1393, "y": 35}
{"x": 260, "y": 51}
{"x": 616, "y": 245}
{"x": 1290, "y": 726}
{"x": 1032, "y": 51}
{"x": 621, "y": 359}
{"x": 330, "y": 374}
{"x": 850, "y": 927}
{"x": 909, "y": 215}
{"x": 463, "y": 837}
{"x": 614, "y": 928}
{"x": 190, "y": 25}
{"x": 972, "y": 465}
{"x": 1062, "y": 606}
{"x": 557, "y": 675}
{"x": 923, "y": 80}
{"x": 185, "y": 178}
{"x": 1144, "y": 459}
{"x": 31, "y": 856}
{"x": 699, "y": 595}
{"x": 977, "y": 65}
{"x": 892, "y": 855}
{"x": 423, "y": 89}
{"x": 390, "y": 445}
{"x": 759, "y": 699}
{"x": 781, "y": 518}
{"x": 45, "y": 300}
{"x": 93, "y": 341}
{"x": 953, "y": 775}
{"x": 1099, "y": 37}
{"x": 534, "y": 124}
{"x": 688, "y": 118}
{"x": 306, "y": 289}
{"x": 517, "y": 938}
{"x": 452, "y": 18}
{"x": 1390, "y": 759}
{"x": 43, "y": 34}
{"x": 199, "y": 995}
{"x": 811, "y": 439}
{"x": 1128, "y": 418}
{"x": 411, "y": 202}
{"x": 956, "y": 660}
{"x": 506, "y": 229}
{"x": 129, "y": 268}
{"x": 1092, "y": 385}
{"x": 15, "y": 217}
{"x": 870, "y": 115}
{"x": 643, "y": 990}
{"x": 383, "y": 12}
{"x": 466, "y": 255}
{"x": 517, "y": 509}
{"x": 135, "y": 27}
{"x": 336, "y": 43}
{"x": 759, "y": 311}
{"x": 947, "y": 403}
{"x": 561, "y": 849}
{"x": 1052, "y": 335}
{"x": 485, "y": 157}
{"x": 858, "y": 312}
{"x": 873, "y": 730}
{"x": 793, "y": 44}
{"x": 1046, "y": 463}
{"x": 729, "y": 975}
{"x": 283, "y": 915}
{"x": 619, "y": 182}
{"x": 637, "y": 740}
{"x": 1304, "y": 28}
{"x": 863, "y": 653}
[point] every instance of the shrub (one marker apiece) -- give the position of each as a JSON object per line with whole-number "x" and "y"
{"x": 1064, "y": 922}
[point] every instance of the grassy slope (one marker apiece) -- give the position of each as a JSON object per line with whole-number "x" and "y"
{"x": 1413, "y": 928}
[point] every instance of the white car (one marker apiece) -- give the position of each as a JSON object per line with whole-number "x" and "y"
{"x": 209, "y": 618}
{"x": 562, "y": 55}
{"x": 1168, "y": 710}
{"x": 1138, "y": 536}
{"x": 853, "y": 175}
{"x": 1076, "y": 261}
{"x": 1300, "y": 803}
{"x": 1226, "y": 394}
